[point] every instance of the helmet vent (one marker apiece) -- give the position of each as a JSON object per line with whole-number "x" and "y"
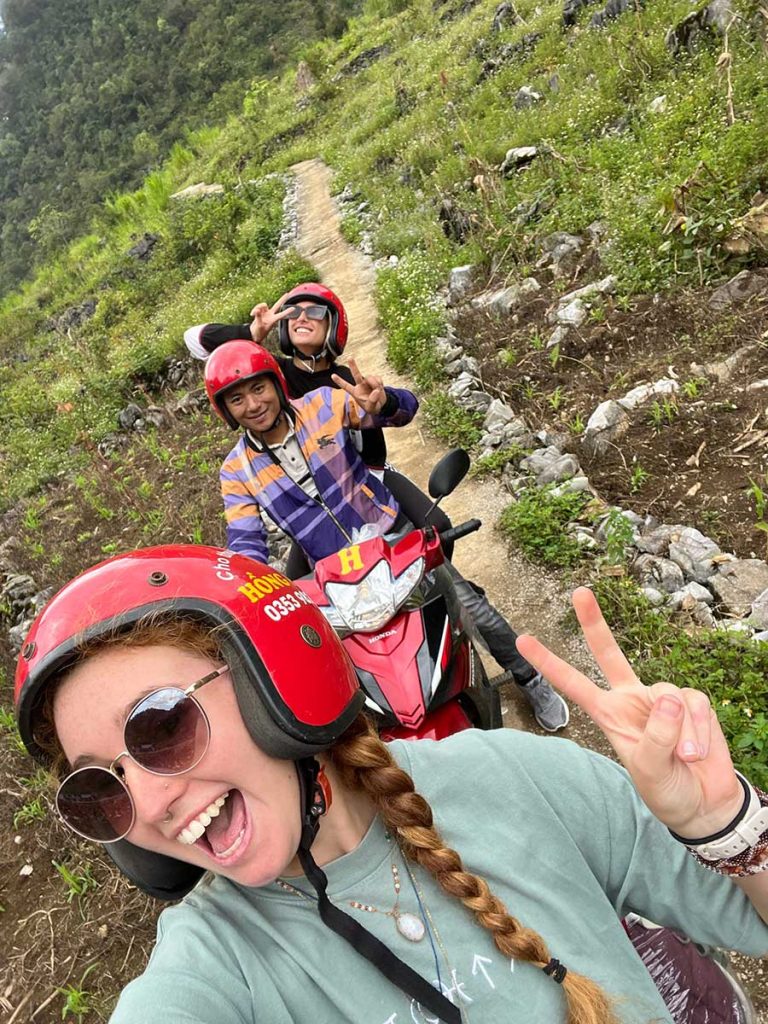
{"x": 29, "y": 650}
{"x": 157, "y": 579}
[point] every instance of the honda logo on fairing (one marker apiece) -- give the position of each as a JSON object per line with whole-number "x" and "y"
{"x": 380, "y": 636}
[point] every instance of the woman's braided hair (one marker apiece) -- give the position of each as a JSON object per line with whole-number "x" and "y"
{"x": 364, "y": 763}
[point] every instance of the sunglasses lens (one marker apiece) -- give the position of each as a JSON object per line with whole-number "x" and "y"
{"x": 310, "y": 312}
{"x": 96, "y": 804}
{"x": 167, "y": 732}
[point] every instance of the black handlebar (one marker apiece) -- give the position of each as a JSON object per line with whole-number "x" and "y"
{"x": 455, "y": 532}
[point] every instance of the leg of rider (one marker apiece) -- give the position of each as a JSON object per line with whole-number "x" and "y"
{"x": 549, "y": 708}
{"x": 415, "y": 504}
{"x": 296, "y": 565}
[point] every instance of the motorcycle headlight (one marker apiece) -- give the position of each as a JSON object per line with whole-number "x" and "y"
{"x": 368, "y": 605}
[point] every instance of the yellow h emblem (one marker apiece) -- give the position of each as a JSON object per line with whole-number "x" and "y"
{"x": 350, "y": 559}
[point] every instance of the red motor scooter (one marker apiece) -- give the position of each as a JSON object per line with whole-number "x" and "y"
{"x": 394, "y": 605}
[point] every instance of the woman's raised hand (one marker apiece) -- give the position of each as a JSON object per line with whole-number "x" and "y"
{"x": 669, "y": 739}
{"x": 368, "y": 392}
{"x": 264, "y": 318}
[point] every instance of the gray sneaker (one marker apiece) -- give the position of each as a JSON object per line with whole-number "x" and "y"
{"x": 549, "y": 708}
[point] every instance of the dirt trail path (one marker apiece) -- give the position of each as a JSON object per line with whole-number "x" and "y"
{"x": 530, "y": 598}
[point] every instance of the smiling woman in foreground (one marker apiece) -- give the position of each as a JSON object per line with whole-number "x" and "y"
{"x": 204, "y": 718}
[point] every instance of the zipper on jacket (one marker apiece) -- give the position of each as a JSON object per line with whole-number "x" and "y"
{"x": 328, "y": 512}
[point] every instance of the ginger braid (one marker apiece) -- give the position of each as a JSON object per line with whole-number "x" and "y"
{"x": 364, "y": 763}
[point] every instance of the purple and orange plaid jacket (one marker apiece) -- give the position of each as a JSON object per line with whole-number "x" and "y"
{"x": 251, "y": 483}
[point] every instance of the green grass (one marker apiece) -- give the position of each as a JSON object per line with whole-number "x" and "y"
{"x": 537, "y": 524}
{"x": 731, "y": 669}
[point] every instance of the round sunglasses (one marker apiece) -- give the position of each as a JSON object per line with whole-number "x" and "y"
{"x": 310, "y": 312}
{"x": 166, "y": 733}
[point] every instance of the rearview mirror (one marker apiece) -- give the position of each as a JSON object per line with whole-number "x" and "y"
{"x": 448, "y": 473}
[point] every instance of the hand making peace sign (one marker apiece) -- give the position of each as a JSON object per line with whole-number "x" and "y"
{"x": 264, "y": 318}
{"x": 368, "y": 392}
{"x": 669, "y": 739}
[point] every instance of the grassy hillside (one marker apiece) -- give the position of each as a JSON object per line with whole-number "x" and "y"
{"x": 415, "y": 107}
{"x": 409, "y": 124}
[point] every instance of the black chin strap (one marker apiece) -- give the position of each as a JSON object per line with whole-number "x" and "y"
{"x": 363, "y": 942}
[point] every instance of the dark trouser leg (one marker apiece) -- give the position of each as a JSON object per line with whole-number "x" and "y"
{"x": 414, "y": 504}
{"x": 496, "y": 632}
{"x": 296, "y": 565}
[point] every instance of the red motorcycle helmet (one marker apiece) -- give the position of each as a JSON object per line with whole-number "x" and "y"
{"x": 236, "y": 361}
{"x": 338, "y": 331}
{"x": 295, "y": 686}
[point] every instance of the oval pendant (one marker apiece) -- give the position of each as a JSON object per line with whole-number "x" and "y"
{"x": 410, "y": 927}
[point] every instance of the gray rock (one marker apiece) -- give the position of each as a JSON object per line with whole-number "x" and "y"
{"x": 759, "y": 613}
{"x": 758, "y": 385}
{"x": 578, "y": 484}
{"x": 476, "y": 401}
{"x": 518, "y": 158}
{"x": 762, "y": 636}
{"x": 702, "y": 615}
{"x": 498, "y": 415}
{"x": 584, "y": 538}
{"x": 689, "y": 595}
{"x": 563, "y": 468}
{"x": 606, "y": 286}
{"x": 644, "y": 392}
{"x": 739, "y": 583}
{"x": 539, "y": 459}
{"x": 527, "y": 97}
{"x": 607, "y": 420}
{"x": 460, "y": 283}
{"x": 634, "y": 520}
{"x": 561, "y": 243}
{"x": 653, "y": 596}
{"x": 18, "y": 590}
{"x": 17, "y": 635}
{"x": 504, "y": 300}
{"x": 505, "y": 14}
{"x": 463, "y": 385}
{"x": 156, "y": 417}
{"x": 694, "y": 553}
{"x": 130, "y": 417}
{"x": 659, "y": 573}
{"x": 447, "y": 350}
{"x": 572, "y": 315}
{"x": 743, "y": 286}
{"x": 558, "y": 336}
{"x": 657, "y": 540}
{"x": 512, "y": 479}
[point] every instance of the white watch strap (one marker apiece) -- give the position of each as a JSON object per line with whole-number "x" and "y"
{"x": 741, "y": 838}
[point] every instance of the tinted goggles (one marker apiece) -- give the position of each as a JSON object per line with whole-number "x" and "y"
{"x": 166, "y": 733}
{"x": 310, "y": 312}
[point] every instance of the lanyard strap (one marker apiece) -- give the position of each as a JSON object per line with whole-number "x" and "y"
{"x": 363, "y": 942}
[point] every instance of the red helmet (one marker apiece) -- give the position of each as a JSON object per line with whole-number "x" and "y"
{"x": 236, "y": 361}
{"x": 338, "y": 331}
{"x": 296, "y": 688}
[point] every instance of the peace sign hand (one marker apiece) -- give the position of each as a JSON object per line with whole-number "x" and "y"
{"x": 368, "y": 392}
{"x": 264, "y": 318}
{"x": 668, "y": 739}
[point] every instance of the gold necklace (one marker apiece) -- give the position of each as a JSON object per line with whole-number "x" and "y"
{"x": 408, "y": 925}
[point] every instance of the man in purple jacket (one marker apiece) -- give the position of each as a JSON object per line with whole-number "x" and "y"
{"x": 297, "y": 464}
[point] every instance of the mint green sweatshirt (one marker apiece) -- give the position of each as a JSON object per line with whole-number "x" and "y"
{"x": 559, "y": 834}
